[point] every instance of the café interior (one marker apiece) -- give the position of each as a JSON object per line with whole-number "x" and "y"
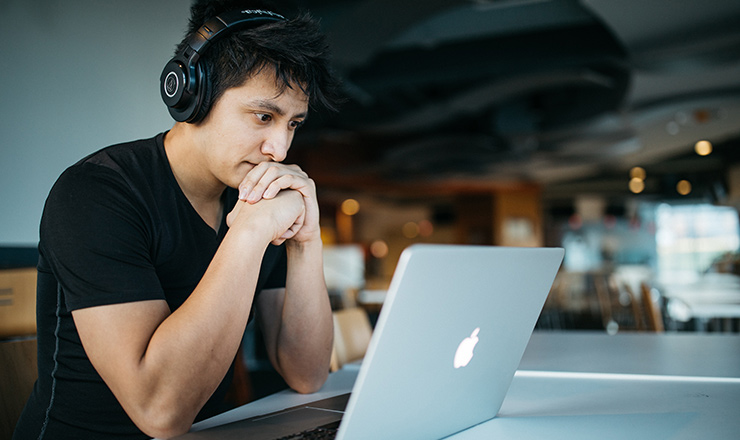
{"x": 585, "y": 125}
{"x": 610, "y": 129}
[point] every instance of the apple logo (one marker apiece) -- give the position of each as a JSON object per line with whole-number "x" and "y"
{"x": 464, "y": 352}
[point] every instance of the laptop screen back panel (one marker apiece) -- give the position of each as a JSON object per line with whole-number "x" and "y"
{"x": 408, "y": 385}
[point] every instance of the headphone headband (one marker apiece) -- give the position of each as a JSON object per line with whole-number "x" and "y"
{"x": 213, "y": 28}
{"x": 183, "y": 83}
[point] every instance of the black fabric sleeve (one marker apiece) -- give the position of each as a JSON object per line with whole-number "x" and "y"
{"x": 96, "y": 238}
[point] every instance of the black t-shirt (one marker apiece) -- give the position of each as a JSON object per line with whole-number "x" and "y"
{"x": 116, "y": 228}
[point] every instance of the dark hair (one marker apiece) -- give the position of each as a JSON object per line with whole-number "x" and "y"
{"x": 295, "y": 48}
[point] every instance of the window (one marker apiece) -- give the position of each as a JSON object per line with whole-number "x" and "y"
{"x": 690, "y": 237}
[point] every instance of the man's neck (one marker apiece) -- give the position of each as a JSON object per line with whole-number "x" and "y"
{"x": 199, "y": 186}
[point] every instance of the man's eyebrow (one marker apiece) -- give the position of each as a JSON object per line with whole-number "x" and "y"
{"x": 274, "y": 108}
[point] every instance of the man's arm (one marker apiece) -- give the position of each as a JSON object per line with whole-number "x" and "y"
{"x": 297, "y": 322}
{"x": 161, "y": 366}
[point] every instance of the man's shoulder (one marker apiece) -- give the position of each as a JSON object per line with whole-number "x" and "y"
{"x": 114, "y": 171}
{"x": 121, "y": 155}
{"x": 128, "y": 161}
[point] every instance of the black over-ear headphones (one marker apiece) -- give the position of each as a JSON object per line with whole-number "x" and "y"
{"x": 184, "y": 83}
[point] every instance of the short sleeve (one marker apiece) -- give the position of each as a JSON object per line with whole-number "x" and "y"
{"x": 95, "y": 237}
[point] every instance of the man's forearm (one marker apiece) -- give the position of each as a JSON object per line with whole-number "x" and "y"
{"x": 306, "y": 331}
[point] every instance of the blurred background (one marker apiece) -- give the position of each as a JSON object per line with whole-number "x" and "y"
{"x": 609, "y": 128}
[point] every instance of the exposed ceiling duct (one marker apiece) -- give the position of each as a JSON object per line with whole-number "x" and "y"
{"x": 544, "y": 91}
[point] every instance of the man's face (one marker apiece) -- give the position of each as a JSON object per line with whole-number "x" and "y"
{"x": 250, "y": 124}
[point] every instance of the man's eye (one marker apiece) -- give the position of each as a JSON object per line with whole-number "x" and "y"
{"x": 296, "y": 124}
{"x": 264, "y": 117}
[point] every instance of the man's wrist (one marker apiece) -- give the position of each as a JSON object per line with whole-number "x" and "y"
{"x": 310, "y": 245}
{"x": 250, "y": 235}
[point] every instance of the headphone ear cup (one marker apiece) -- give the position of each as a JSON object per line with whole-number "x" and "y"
{"x": 179, "y": 89}
{"x": 202, "y": 95}
{"x": 172, "y": 84}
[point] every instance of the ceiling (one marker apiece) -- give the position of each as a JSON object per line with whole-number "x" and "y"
{"x": 566, "y": 94}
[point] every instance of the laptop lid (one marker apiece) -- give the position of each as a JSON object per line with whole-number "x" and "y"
{"x": 449, "y": 338}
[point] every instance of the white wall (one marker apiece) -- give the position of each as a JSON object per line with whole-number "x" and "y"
{"x": 75, "y": 76}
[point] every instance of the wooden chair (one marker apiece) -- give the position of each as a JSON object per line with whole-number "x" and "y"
{"x": 352, "y": 332}
{"x": 18, "y": 372}
{"x": 620, "y": 309}
{"x": 17, "y": 302}
{"x": 653, "y": 313}
{"x": 629, "y": 307}
{"x": 635, "y": 308}
{"x": 18, "y": 369}
{"x": 604, "y": 296}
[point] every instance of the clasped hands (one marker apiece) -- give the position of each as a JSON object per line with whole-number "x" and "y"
{"x": 291, "y": 214}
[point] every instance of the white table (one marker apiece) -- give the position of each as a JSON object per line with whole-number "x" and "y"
{"x": 713, "y": 296}
{"x": 591, "y": 385}
{"x": 591, "y": 406}
{"x": 671, "y": 353}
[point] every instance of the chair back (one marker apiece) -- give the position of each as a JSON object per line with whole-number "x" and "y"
{"x": 352, "y": 332}
{"x": 635, "y": 308}
{"x": 653, "y": 313}
{"x": 17, "y": 302}
{"x": 18, "y": 372}
{"x": 604, "y": 296}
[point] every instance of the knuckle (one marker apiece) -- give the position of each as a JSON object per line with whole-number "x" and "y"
{"x": 261, "y": 166}
{"x": 272, "y": 173}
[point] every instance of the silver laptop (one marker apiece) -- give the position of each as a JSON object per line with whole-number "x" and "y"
{"x": 448, "y": 340}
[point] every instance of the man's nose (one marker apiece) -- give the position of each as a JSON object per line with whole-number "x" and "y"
{"x": 276, "y": 145}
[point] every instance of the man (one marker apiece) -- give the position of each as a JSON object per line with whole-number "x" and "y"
{"x": 154, "y": 254}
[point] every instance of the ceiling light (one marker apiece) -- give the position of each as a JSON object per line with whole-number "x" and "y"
{"x": 637, "y": 185}
{"x": 703, "y": 148}
{"x": 637, "y": 173}
{"x": 702, "y": 116}
{"x": 683, "y": 187}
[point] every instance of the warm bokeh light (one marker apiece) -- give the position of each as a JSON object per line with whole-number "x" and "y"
{"x": 637, "y": 173}
{"x": 702, "y": 115}
{"x": 350, "y": 207}
{"x": 703, "y": 148}
{"x": 379, "y": 249}
{"x": 426, "y": 228}
{"x": 683, "y": 187}
{"x": 411, "y": 230}
{"x": 637, "y": 185}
